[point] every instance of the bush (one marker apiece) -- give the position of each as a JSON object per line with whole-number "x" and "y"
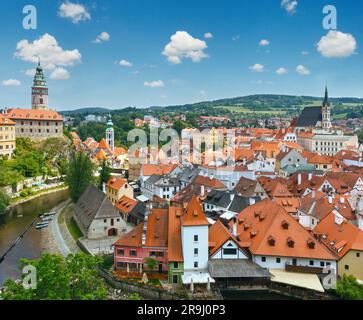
{"x": 349, "y": 289}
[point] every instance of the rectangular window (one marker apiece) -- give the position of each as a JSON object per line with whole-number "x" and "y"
{"x": 120, "y": 252}
{"x": 133, "y": 253}
{"x": 175, "y": 278}
{"x": 278, "y": 260}
{"x": 195, "y": 251}
{"x": 196, "y": 264}
{"x": 176, "y": 265}
{"x": 263, "y": 259}
{"x": 311, "y": 262}
{"x": 229, "y": 251}
{"x": 322, "y": 264}
{"x": 195, "y": 238}
{"x": 358, "y": 255}
{"x": 346, "y": 267}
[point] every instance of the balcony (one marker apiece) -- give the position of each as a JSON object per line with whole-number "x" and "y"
{"x": 303, "y": 269}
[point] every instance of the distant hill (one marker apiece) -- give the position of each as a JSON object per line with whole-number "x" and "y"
{"x": 87, "y": 110}
{"x": 261, "y": 102}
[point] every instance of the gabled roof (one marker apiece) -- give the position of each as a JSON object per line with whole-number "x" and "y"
{"x": 125, "y": 204}
{"x": 246, "y": 187}
{"x": 340, "y": 238}
{"x": 267, "y": 229}
{"x": 218, "y": 236}
{"x": 209, "y": 182}
{"x": 194, "y": 215}
{"x": 157, "y": 169}
{"x": 6, "y": 122}
{"x": 34, "y": 114}
{"x": 309, "y": 117}
{"x": 175, "y": 252}
{"x": 93, "y": 204}
{"x": 116, "y": 184}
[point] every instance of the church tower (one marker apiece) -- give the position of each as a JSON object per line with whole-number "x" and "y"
{"x": 326, "y": 122}
{"x": 110, "y": 134}
{"x": 39, "y": 90}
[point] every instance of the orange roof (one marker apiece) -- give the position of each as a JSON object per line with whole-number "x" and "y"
{"x": 103, "y": 144}
{"x": 175, "y": 252}
{"x": 158, "y": 169}
{"x": 116, "y": 184}
{"x": 74, "y": 135}
{"x": 156, "y": 233}
{"x": 270, "y": 148}
{"x": 271, "y": 231}
{"x": 241, "y": 154}
{"x": 6, "y": 122}
{"x": 120, "y": 151}
{"x": 218, "y": 236}
{"x": 209, "y": 182}
{"x": 319, "y": 159}
{"x": 293, "y": 145}
{"x": 340, "y": 238}
{"x": 90, "y": 143}
{"x": 291, "y": 205}
{"x": 125, "y": 204}
{"x": 194, "y": 215}
{"x": 32, "y": 114}
{"x": 101, "y": 155}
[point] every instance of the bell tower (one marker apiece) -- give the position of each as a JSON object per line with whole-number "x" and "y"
{"x": 326, "y": 121}
{"x": 39, "y": 90}
{"x": 110, "y": 134}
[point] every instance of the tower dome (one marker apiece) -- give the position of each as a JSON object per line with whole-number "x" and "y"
{"x": 39, "y": 90}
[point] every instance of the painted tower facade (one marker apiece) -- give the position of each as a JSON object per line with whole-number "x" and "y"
{"x": 110, "y": 134}
{"x": 326, "y": 121}
{"x": 39, "y": 90}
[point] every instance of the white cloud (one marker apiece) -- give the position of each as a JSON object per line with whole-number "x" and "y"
{"x": 281, "y": 71}
{"x": 289, "y": 5}
{"x": 183, "y": 45}
{"x": 264, "y": 42}
{"x": 60, "y": 74}
{"x": 74, "y": 11}
{"x": 30, "y": 72}
{"x": 11, "y": 83}
{"x": 47, "y": 49}
{"x": 236, "y": 37}
{"x": 125, "y": 63}
{"x": 257, "y": 68}
{"x": 303, "y": 71}
{"x": 154, "y": 84}
{"x": 208, "y": 35}
{"x": 203, "y": 93}
{"x": 305, "y": 53}
{"x": 337, "y": 44}
{"x": 102, "y": 37}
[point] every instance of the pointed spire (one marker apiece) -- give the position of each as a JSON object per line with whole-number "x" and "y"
{"x": 326, "y": 97}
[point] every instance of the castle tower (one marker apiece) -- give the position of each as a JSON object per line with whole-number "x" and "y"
{"x": 110, "y": 134}
{"x": 326, "y": 121}
{"x": 39, "y": 90}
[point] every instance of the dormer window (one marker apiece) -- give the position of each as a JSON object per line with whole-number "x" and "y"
{"x": 271, "y": 241}
{"x": 285, "y": 225}
{"x": 253, "y": 234}
{"x": 311, "y": 244}
{"x": 290, "y": 242}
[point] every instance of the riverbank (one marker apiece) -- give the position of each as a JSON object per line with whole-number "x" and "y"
{"x": 21, "y": 200}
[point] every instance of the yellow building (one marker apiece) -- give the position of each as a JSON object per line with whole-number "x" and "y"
{"x": 7, "y": 137}
{"x": 116, "y": 188}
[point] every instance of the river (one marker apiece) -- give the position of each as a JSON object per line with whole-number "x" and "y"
{"x": 14, "y": 222}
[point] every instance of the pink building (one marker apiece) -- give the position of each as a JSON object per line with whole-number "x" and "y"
{"x": 148, "y": 240}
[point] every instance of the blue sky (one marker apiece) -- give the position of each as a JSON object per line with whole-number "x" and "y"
{"x": 216, "y": 51}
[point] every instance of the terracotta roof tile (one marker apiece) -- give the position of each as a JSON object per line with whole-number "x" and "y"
{"x": 32, "y": 114}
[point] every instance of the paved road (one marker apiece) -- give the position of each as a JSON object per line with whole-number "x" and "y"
{"x": 58, "y": 238}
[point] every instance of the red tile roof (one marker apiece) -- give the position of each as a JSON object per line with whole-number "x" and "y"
{"x": 32, "y": 114}
{"x": 175, "y": 252}
{"x": 116, "y": 184}
{"x": 125, "y": 204}
{"x": 194, "y": 215}
{"x": 260, "y": 223}
{"x": 6, "y": 122}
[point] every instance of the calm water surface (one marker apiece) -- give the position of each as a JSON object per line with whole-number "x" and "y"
{"x": 13, "y": 223}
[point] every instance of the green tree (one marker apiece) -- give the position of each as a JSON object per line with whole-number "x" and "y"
{"x": 348, "y": 288}
{"x": 151, "y": 263}
{"x": 4, "y": 202}
{"x": 73, "y": 278}
{"x": 105, "y": 174}
{"x": 79, "y": 175}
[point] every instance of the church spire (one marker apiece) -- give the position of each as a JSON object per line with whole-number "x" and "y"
{"x": 326, "y": 98}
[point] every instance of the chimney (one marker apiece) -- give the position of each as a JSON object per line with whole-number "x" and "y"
{"x": 310, "y": 176}
{"x": 252, "y": 201}
{"x": 313, "y": 194}
{"x": 299, "y": 179}
{"x": 342, "y": 200}
{"x": 202, "y": 191}
{"x": 104, "y": 187}
{"x": 234, "y": 230}
{"x": 231, "y": 196}
{"x": 330, "y": 199}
